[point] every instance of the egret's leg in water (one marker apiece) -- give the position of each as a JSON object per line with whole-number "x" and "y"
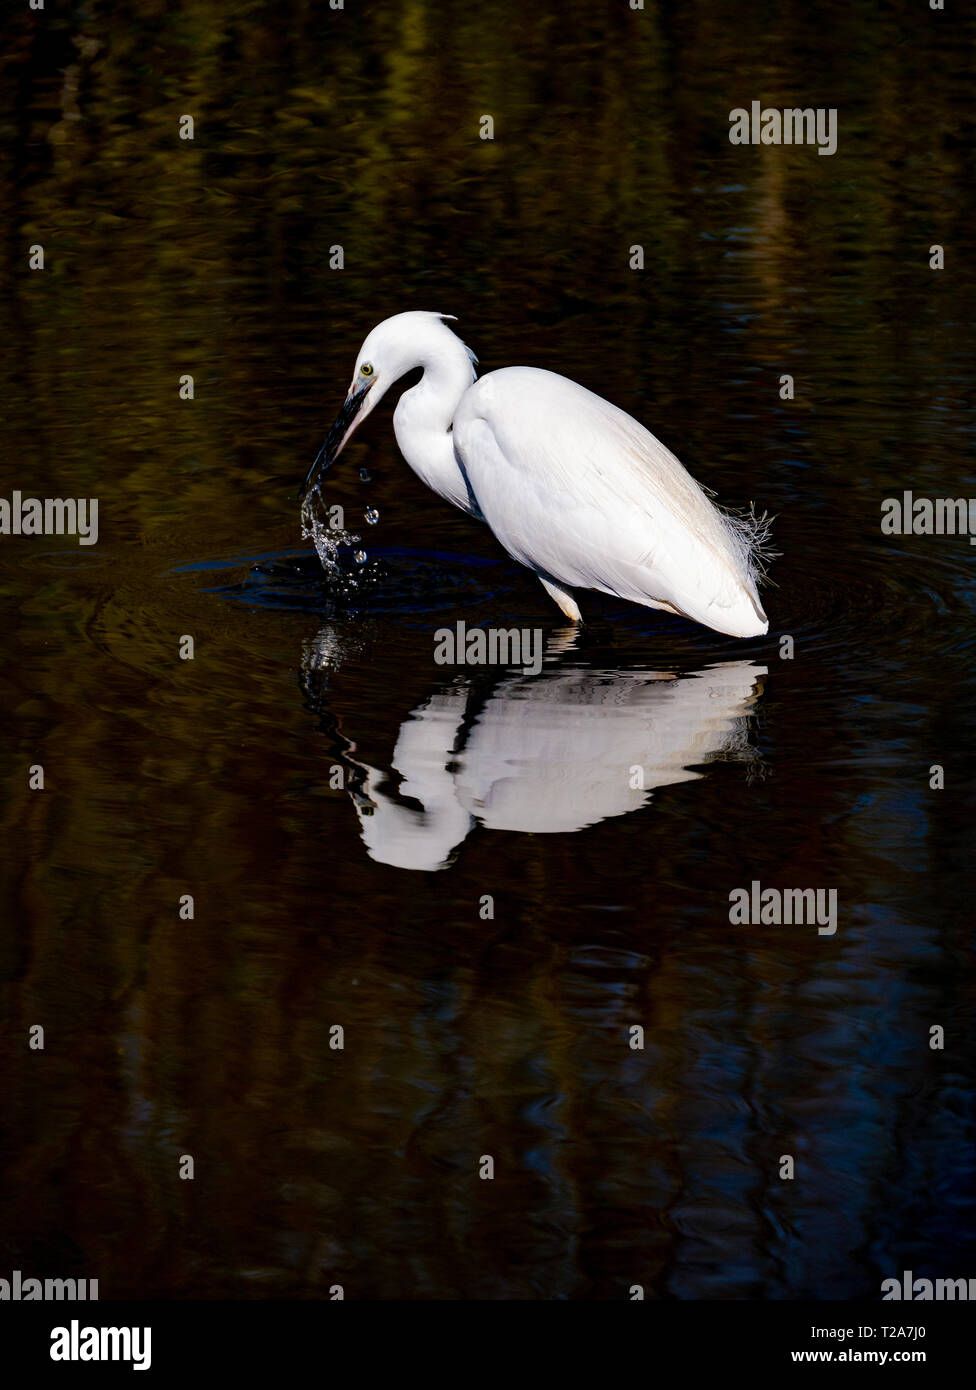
{"x": 566, "y": 602}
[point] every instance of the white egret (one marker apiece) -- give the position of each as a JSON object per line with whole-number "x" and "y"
{"x": 572, "y": 487}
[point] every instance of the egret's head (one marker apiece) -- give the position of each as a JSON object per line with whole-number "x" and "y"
{"x": 394, "y": 347}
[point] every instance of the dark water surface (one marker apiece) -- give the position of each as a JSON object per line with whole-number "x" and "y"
{"x": 339, "y": 805}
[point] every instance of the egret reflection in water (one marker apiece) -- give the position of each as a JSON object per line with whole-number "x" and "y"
{"x": 546, "y": 754}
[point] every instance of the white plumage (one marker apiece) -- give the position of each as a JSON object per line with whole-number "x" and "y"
{"x": 572, "y": 487}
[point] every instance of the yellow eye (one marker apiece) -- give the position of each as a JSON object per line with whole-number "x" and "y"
{"x": 366, "y": 369}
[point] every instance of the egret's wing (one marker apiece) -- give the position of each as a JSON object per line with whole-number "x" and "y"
{"x": 576, "y": 489}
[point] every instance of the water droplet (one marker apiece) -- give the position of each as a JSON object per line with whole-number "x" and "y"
{"x": 371, "y": 515}
{"x": 327, "y": 539}
{"x": 360, "y": 557}
{"x": 364, "y": 474}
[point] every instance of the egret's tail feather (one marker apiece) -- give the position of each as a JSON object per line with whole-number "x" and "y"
{"x": 751, "y": 535}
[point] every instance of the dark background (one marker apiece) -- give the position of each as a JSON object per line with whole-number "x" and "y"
{"x": 466, "y": 1036}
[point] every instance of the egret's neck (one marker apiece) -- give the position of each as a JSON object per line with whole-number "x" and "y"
{"x": 424, "y": 418}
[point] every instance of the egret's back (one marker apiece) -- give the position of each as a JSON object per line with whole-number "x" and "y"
{"x": 577, "y": 490}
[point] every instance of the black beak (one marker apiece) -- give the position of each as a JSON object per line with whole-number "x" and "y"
{"x": 335, "y": 439}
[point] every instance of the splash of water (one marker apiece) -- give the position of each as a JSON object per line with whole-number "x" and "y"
{"x": 317, "y": 527}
